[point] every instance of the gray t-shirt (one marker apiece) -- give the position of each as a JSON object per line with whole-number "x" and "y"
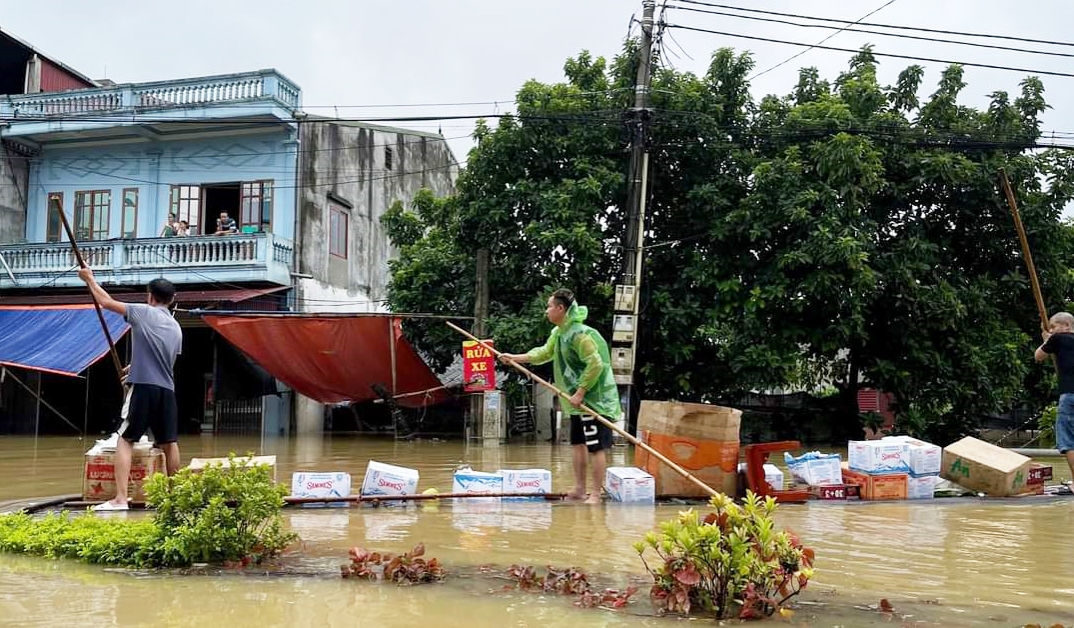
{"x": 156, "y": 340}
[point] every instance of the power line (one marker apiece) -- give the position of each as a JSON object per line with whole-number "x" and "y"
{"x": 871, "y": 32}
{"x": 105, "y": 118}
{"x": 793, "y": 57}
{"x": 874, "y": 53}
{"x": 910, "y": 28}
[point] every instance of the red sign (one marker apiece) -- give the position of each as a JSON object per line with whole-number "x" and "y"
{"x": 478, "y": 367}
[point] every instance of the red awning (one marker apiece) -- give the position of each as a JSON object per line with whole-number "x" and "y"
{"x": 332, "y": 358}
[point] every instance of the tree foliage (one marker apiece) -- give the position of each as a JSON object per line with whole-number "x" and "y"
{"x": 847, "y": 231}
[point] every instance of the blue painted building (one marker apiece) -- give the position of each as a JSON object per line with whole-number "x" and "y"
{"x": 120, "y": 160}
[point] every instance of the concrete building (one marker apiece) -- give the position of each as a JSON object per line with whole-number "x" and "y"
{"x": 306, "y": 194}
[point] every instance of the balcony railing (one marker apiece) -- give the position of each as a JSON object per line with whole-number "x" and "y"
{"x": 262, "y": 86}
{"x": 261, "y": 256}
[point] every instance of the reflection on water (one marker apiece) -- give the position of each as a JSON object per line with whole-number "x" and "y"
{"x": 945, "y": 562}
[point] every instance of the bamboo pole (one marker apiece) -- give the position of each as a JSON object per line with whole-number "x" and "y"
{"x": 1034, "y": 282}
{"x": 96, "y": 305}
{"x": 612, "y": 426}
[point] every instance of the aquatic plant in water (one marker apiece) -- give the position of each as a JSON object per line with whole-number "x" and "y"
{"x": 733, "y": 557}
{"x": 406, "y": 568}
{"x": 569, "y": 581}
{"x": 222, "y": 514}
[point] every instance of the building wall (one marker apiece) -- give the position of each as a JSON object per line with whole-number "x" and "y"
{"x": 345, "y": 165}
{"x": 152, "y": 167}
{"x": 14, "y": 183}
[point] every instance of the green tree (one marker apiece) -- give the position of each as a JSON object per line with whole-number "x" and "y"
{"x": 846, "y": 231}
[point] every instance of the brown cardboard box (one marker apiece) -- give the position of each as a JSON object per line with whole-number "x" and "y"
{"x": 876, "y": 487}
{"x": 1038, "y": 473}
{"x": 985, "y": 468}
{"x": 197, "y": 464}
{"x": 99, "y": 480}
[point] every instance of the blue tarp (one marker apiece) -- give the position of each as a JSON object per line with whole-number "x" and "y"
{"x": 63, "y": 339}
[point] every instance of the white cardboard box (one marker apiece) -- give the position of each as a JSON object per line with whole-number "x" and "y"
{"x": 772, "y": 474}
{"x": 878, "y": 456}
{"x": 825, "y": 470}
{"x": 630, "y": 484}
{"x": 921, "y": 486}
{"x": 473, "y": 482}
{"x": 306, "y": 484}
{"x": 536, "y": 481}
{"x": 925, "y": 458}
{"x": 386, "y": 479}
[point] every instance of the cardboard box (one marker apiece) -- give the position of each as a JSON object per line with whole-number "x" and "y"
{"x": 386, "y": 479}
{"x": 925, "y": 458}
{"x": 630, "y": 484}
{"x": 874, "y": 486}
{"x": 473, "y": 482}
{"x": 198, "y": 464}
{"x": 815, "y": 469}
{"x": 921, "y": 486}
{"x": 305, "y": 484}
{"x": 772, "y": 474}
{"x": 834, "y": 492}
{"x": 536, "y": 481}
{"x": 99, "y": 479}
{"x": 985, "y": 468}
{"x": 878, "y": 456}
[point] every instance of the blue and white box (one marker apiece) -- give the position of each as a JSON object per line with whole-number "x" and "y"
{"x": 921, "y": 486}
{"x": 386, "y": 479}
{"x": 878, "y": 456}
{"x": 470, "y": 482}
{"x": 925, "y": 458}
{"x": 814, "y": 468}
{"x": 536, "y": 481}
{"x": 630, "y": 484}
{"x": 304, "y": 484}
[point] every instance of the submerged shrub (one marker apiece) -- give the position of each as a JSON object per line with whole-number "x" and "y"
{"x": 221, "y": 514}
{"x": 733, "y": 557}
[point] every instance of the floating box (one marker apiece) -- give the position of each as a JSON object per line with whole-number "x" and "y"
{"x": 985, "y": 468}
{"x": 198, "y": 464}
{"x": 536, "y": 481}
{"x": 99, "y": 479}
{"x": 304, "y": 484}
{"x": 772, "y": 474}
{"x": 925, "y": 458}
{"x": 878, "y": 456}
{"x": 921, "y": 486}
{"x": 1038, "y": 473}
{"x": 877, "y": 486}
{"x": 835, "y": 492}
{"x": 630, "y": 484}
{"x": 386, "y": 479}
{"x": 473, "y": 482}
{"x": 815, "y": 468}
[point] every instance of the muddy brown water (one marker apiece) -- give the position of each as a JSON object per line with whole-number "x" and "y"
{"x": 945, "y": 562}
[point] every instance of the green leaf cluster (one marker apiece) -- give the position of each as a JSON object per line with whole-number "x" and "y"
{"x": 846, "y": 232}
{"x": 731, "y": 562}
{"x": 224, "y": 513}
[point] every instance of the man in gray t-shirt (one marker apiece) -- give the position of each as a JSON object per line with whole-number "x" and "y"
{"x": 156, "y": 341}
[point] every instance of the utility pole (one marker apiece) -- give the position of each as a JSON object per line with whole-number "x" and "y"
{"x": 481, "y": 313}
{"x": 628, "y": 292}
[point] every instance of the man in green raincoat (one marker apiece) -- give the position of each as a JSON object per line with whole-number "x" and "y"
{"x": 583, "y": 369}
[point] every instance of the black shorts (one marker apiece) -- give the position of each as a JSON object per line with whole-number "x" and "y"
{"x": 585, "y": 430}
{"x": 152, "y": 407}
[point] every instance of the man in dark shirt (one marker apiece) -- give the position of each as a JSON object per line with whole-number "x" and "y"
{"x": 1060, "y": 343}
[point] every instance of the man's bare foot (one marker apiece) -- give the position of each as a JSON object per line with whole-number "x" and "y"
{"x": 576, "y": 495}
{"x": 593, "y": 499}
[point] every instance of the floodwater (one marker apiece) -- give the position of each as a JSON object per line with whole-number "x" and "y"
{"x": 945, "y": 562}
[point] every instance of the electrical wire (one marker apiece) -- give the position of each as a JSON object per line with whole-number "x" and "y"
{"x": 891, "y": 26}
{"x": 848, "y": 29}
{"x": 873, "y": 52}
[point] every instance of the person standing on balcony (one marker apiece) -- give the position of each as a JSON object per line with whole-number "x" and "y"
{"x": 169, "y": 228}
{"x": 225, "y": 225}
{"x": 183, "y": 230}
{"x": 156, "y": 341}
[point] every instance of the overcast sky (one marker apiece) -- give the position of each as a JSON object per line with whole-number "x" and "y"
{"x": 346, "y": 55}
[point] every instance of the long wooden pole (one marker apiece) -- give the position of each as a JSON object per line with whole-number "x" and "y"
{"x": 97, "y": 306}
{"x": 1006, "y": 184}
{"x": 612, "y": 426}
